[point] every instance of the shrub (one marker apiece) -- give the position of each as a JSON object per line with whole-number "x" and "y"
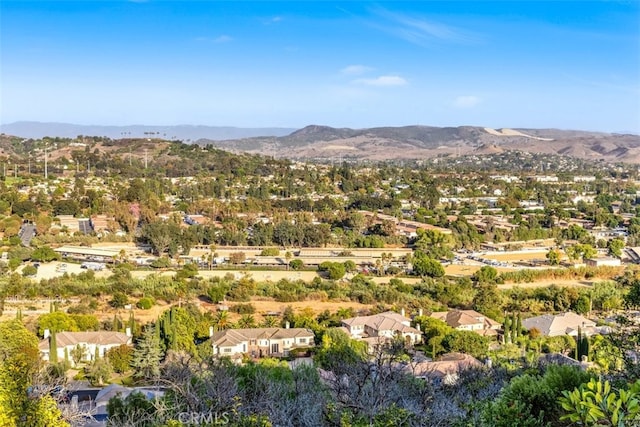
{"x": 119, "y": 300}
{"x": 296, "y": 264}
{"x": 270, "y": 252}
{"x": 162, "y": 262}
{"x": 243, "y": 308}
{"x": 145, "y": 303}
{"x": 29, "y": 270}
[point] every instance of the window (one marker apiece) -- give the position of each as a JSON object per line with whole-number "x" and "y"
{"x": 226, "y": 350}
{"x": 303, "y": 340}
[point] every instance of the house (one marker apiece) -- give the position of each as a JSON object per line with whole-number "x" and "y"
{"x": 553, "y": 325}
{"x": 446, "y": 369}
{"x": 260, "y": 342}
{"x": 384, "y": 325}
{"x": 469, "y": 320}
{"x": 93, "y": 342}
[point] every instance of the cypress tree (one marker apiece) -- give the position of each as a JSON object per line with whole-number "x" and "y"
{"x": 514, "y": 330}
{"x": 116, "y": 323}
{"x": 132, "y": 322}
{"x": 96, "y": 354}
{"x": 66, "y": 356}
{"x": 507, "y": 330}
{"x": 51, "y": 310}
{"x": 53, "y": 348}
{"x": 578, "y": 344}
{"x": 519, "y": 324}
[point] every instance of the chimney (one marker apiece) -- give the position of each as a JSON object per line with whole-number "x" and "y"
{"x": 127, "y": 331}
{"x": 419, "y": 312}
{"x": 418, "y": 326}
{"x": 47, "y": 333}
{"x": 210, "y": 331}
{"x": 286, "y": 325}
{"x": 402, "y": 312}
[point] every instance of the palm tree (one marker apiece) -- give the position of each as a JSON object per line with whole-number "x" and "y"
{"x": 270, "y": 322}
{"x": 221, "y": 321}
{"x": 247, "y": 321}
{"x": 344, "y": 313}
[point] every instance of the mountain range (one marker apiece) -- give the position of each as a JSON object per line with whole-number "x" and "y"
{"x": 379, "y": 143}
{"x": 419, "y": 142}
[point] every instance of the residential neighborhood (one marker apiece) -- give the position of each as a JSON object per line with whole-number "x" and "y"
{"x": 425, "y": 274}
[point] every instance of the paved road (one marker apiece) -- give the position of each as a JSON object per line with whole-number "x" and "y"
{"x": 26, "y": 233}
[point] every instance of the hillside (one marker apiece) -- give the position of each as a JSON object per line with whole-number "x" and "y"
{"x": 416, "y": 142}
{"x": 325, "y": 143}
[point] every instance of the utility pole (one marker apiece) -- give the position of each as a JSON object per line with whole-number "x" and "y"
{"x": 46, "y": 171}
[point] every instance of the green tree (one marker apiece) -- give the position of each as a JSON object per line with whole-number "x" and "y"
{"x": 57, "y": 321}
{"x": 19, "y": 364}
{"x": 553, "y": 256}
{"x": 338, "y": 351}
{"x": 147, "y": 356}
{"x": 336, "y": 271}
{"x": 427, "y": 267}
{"x": 434, "y": 244}
{"x": 78, "y": 354}
{"x": 119, "y": 300}
{"x": 99, "y": 371}
{"x": 465, "y": 342}
{"x": 120, "y": 358}
{"x": 296, "y": 264}
{"x": 53, "y": 348}
{"x": 615, "y": 247}
{"x": 44, "y": 254}
{"x": 486, "y": 274}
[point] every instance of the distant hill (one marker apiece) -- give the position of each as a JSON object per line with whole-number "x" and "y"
{"x": 317, "y": 142}
{"x": 418, "y": 142}
{"x": 180, "y": 132}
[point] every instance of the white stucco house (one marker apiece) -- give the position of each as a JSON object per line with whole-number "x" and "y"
{"x": 92, "y": 343}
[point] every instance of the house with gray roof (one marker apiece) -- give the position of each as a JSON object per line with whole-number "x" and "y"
{"x": 260, "y": 342}
{"x": 385, "y": 325}
{"x": 553, "y": 325}
{"x": 469, "y": 320}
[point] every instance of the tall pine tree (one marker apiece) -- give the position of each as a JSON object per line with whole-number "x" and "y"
{"x": 147, "y": 356}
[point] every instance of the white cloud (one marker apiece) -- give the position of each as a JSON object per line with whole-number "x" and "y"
{"x": 466, "y": 101}
{"x": 274, "y": 20}
{"x": 355, "y": 70}
{"x": 382, "y": 81}
{"x": 422, "y": 31}
{"x": 220, "y": 39}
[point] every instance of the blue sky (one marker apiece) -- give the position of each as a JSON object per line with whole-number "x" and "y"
{"x": 562, "y": 64}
